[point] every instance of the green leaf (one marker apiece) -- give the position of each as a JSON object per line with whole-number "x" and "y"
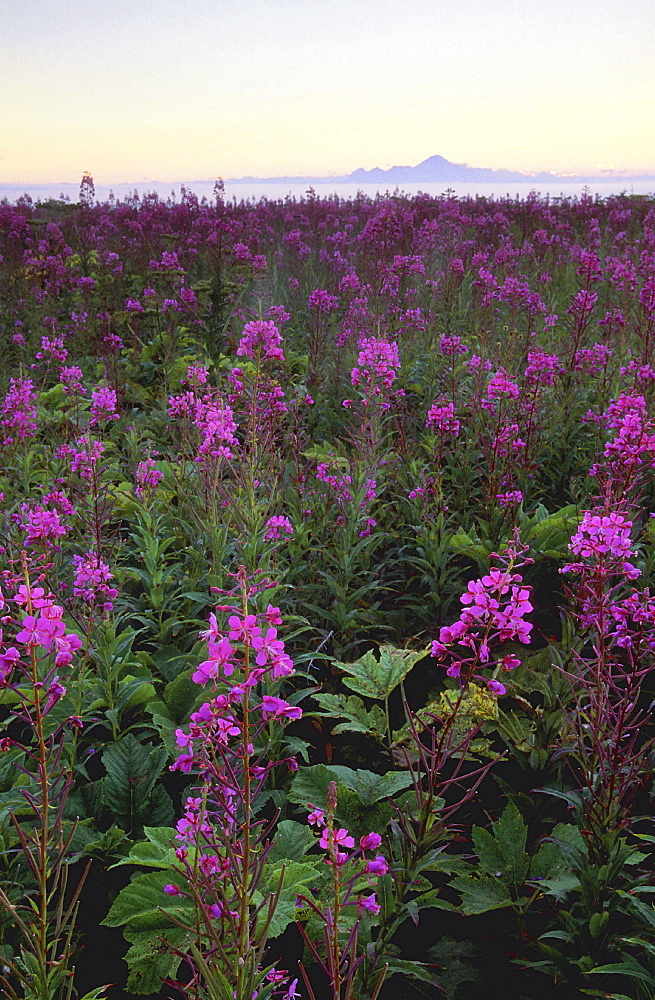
{"x": 375, "y": 678}
{"x": 558, "y": 886}
{"x": 157, "y": 851}
{"x": 128, "y": 788}
{"x": 358, "y": 718}
{"x": 310, "y": 785}
{"x": 479, "y": 895}
{"x": 299, "y": 879}
{"x": 502, "y": 853}
{"x": 134, "y": 691}
{"x": 408, "y": 968}
{"x": 143, "y": 904}
{"x": 292, "y": 840}
{"x": 180, "y": 697}
{"x": 551, "y": 535}
{"x": 632, "y": 969}
{"x": 370, "y": 787}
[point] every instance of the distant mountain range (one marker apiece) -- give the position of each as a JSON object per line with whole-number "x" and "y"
{"x": 437, "y": 169}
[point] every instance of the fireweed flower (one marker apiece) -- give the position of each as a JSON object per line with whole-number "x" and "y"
{"x": 377, "y": 367}
{"x": 322, "y": 300}
{"x": 103, "y": 405}
{"x": 92, "y": 576}
{"x": 278, "y": 527}
{"x": 277, "y": 708}
{"x": 451, "y": 347}
{"x": 494, "y": 612}
{"x": 147, "y": 477}
{"x": 85, "y": 460}
{"x": 18, "y": 411}
{"x": 542, "y": 369}
{"x": 41, "y": 524}
{"x": 510, "y": 499}
{"x": 500, "y": 387}
{"x": 71, "y": 379}
{"x": 261, "y": 336}
{"x": 336, "y": 838}
{"x": 441, "y": 416}
{"x": 603, "y": 539}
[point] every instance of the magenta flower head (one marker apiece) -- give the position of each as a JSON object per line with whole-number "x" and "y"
{"x": 378, "y": 866}
{"x": 261, "y": 336}
{"x": 336, "y": 838}
{"x": 496, "y": 687}
{"x": 370, "y": 842}
{"x": 316, "y": 818}
{"x": 369, "y": 903}
{"x": 277, "y": 708}
{"x": 55, "y": 692}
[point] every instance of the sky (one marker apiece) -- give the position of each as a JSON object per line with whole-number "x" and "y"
{"x": 183, "y": 90}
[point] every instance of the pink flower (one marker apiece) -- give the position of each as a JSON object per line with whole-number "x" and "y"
{"x": 55, "y": 692}
{"x": 261, "y": 336}
{"x": 496, "y": 687}
{"x": 267, "y": 646}
{"x": 317, "y": 817}
{"x": 369, "y": 904}
{"x": 370, "y": 841}
{"x": 378, "y": 866}
{"x": 221, "y": 655}
{"x": 277, "y": 708}
{"x": 336, "y": 838}
{"x": 277, "y": 527}
{"x": 243, "y": 629}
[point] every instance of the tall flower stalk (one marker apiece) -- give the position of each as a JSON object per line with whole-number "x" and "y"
{"x": 42, "y": 970}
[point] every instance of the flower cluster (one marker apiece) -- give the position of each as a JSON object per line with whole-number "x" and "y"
{"x": 18, "y": 411}
{"x": 500, "y": 386}
{"x": 92, "y": 576}
{"x": 240, "y": 657}
{"x": 85, "y": 460}
{"x": 43, "y": 627}
{"x": 261, "y": 337}
{"x": 603, "y": 539}
{"x": 494, "y": 612}
{"x": 441, "y": 416}
{"x": 322, "y": 300}
{"x": 41, "y": 523}
{"x": 103, "y": 405}
{"x": 377, "y": 367}
{"x": 278, "y": 527}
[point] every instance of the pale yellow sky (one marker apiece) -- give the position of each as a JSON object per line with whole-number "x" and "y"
{"x": 136, "y": 90}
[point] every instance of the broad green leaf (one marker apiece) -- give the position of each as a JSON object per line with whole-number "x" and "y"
{"x": 310, "y": 785}
{"x": 142, "y": 901}
{"x": 632, "y": 969}
{"x": 150, "y": 962}
{"x": 557, "y": 886}
{"x": 502, "y": 853}
{"x": 481, "y": 894}
{"x": 180, "y": 696}
{"x": 158, "y": 851}
{"x": 299, "y": 879}
{"x": 292, "y": 840}
{"x": 370, "y": 787}
{"x": 375, "y": 678}
{"x": 142, "y": 907}
{"x": 128, "y": 788}
{"x": 134, "y": 691}
{"x": 551, "y": 535}
{"x": 351, "y": 708}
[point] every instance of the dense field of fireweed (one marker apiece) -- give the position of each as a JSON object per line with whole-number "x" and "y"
{"x": 327, "y": 643}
